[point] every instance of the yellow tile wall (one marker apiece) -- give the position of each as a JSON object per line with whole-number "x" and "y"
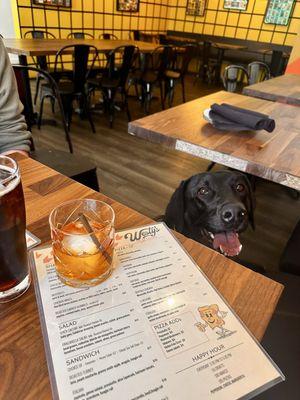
{"x": 97, "y": 16}
{"x": 93, "y": 16}
{"x": 247, "y": 24}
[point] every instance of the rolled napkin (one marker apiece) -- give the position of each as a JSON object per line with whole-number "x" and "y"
{"x": 228, "y": 117}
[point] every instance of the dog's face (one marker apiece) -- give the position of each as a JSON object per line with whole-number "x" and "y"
{"x": 218, "y": 205}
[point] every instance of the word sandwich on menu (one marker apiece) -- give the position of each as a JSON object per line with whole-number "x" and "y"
{"x": 156, "y": 329}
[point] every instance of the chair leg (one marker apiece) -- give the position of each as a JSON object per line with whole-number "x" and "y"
{"x": 111, "y": 106}
{"x": 136, "y": 90}
{"x": 147, "y": 100}
{"x": 162, "y": 99}
{"x": 183, "y": 89}
{"x": 89, "y": 116}
{"x": 37, "y": 88}
{"x": 126, "y": 107}
{"x": 39, "y": 121}
{"x": 171, "y": 93}
{"x": 52, "y": 104}
{"x": 65, "y": 125}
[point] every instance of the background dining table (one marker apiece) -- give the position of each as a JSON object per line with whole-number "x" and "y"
{"x": 273, "y": 156}
{"x": 39, "y": 47}
{"x": 25, "y": 47}
{"x": 23, "y": 367}
{"x": 284, "y": 89}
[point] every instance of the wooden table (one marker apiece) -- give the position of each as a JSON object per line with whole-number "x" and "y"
{"x": 42, "y": 47}
{"x": 274, "y": 156}
{"x": 284, "y": 89}
{"x": 38, "y": 47}
{"x": 23, "y": 367}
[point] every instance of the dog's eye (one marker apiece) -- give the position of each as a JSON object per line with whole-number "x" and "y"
{"x": 240, "y": 188}
{"x": 203, "y": 191}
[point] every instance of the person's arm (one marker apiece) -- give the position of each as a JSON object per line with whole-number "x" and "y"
{"x": 14, "y": 135}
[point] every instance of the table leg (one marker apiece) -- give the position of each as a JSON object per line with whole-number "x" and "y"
{"x": 276, "y": 63}
{"x": 29, "y": 104}
{"x": 219, "y": 65}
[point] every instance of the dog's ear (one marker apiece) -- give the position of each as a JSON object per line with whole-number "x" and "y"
{"x": 174, "y": 215}
{"x": 251, "y": 202}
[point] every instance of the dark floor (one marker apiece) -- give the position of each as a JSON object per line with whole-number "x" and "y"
{"x": 143, "y": 175}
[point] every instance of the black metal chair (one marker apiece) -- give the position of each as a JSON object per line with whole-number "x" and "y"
{"x": 39, "y": 34}
{"x": 235, "y": 77}
{"x": 258, "y": 71}
{"x": 152, "y": 73}
{"x": 178, "y": 74}
{"x": 80, "y": 35}
{"x": 114, "y": 80}
{"x": 207, "y": 67}
{"x": 19, "y": 71}
{"x": 108, "y": 36}
{"x": 135, "y": 35}
{"x": 77, "y": 87}
{"x": 40, "y": 62}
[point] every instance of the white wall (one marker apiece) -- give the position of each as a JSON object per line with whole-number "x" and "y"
{"x": 6, "y": 19}
{"x": 7, "y": 29}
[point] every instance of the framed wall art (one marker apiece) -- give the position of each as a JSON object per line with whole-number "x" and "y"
{"x": 195, "y": 7}
{"x": 236, "y": 4}
{"x": 128, "y": 5}
{"x": 279, "y": 11}
{"x": 56, "y": 3}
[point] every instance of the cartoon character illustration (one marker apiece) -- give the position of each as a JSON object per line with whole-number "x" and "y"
{"x": 214, "y": 319}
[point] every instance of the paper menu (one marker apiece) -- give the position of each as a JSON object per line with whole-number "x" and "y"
{"x": 157, "y": 329}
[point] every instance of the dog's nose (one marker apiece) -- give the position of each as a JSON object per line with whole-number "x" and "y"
{"x": 233, "y": 213}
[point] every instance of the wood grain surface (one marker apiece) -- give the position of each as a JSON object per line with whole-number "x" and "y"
{"x": 37, "y": 47}
{"x": 274, "y": 156}
{"x": 284, "y": 89}
{"x": 23, "y": 367}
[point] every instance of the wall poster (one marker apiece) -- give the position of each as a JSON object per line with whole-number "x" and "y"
{"x": 279, "y": 11}
{"x": 195, "y": 7}
{"x": 236, "y": 4}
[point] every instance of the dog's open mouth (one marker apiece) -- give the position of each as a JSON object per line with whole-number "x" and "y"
{"x": 228, "y": 243}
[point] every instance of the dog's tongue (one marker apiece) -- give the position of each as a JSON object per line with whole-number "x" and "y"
{"x": 228, "y": 242}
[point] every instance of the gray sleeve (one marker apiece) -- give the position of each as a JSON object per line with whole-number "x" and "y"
{"x": 13, "y": 130}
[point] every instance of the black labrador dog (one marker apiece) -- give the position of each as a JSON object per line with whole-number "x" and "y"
{"x": 213, "y": 208}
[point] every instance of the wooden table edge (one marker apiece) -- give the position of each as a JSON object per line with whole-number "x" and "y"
{"x": 282, "y": 178}
{"x": 261, "y": 94}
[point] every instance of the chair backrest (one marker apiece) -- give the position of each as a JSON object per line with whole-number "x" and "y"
{"x": 163, "y": 38}
{"x": 108, "y": 36}
{"x": 128, "y": 57}
{"x": 80, "y": 60}
{"x": 136, "y": 35}
{"x": 38, "y": 34}
{"x": 190, "y": 50}
{"x": 258, "y": 71}
{"x": 79, "y": 35}
{"x": 21, "y": 78}
{"x": 163, "y": 58}
{"x": 235, "y": 77}
{"x": 40, "y": 61}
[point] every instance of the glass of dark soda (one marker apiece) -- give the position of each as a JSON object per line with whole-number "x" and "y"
{"x": 14, "y": 272}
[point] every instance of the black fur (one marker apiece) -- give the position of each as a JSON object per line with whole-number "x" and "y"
{"x": 194, "y": 215}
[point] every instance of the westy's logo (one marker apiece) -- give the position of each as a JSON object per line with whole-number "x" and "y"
{"x": 142, "y": 234}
